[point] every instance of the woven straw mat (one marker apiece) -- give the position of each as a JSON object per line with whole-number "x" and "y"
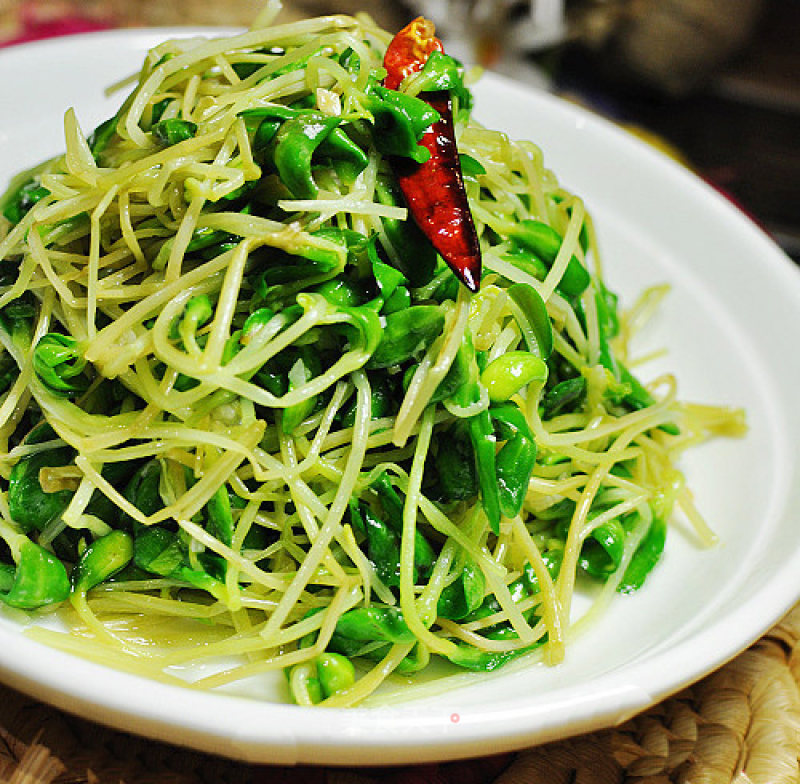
{"x": 741, "y": 724}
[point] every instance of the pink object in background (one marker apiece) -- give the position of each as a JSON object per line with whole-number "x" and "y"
{"x": 36, "y": 20}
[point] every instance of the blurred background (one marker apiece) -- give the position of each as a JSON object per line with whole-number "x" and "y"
{"x": 715, "y": 83}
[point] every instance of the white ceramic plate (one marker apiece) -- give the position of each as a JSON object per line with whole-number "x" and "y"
{"x": 730, "y": 324}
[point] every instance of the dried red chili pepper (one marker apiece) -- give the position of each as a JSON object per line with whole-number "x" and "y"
{"x": 434, "y": 190}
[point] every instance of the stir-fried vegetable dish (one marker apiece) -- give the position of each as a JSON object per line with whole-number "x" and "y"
{"x": 304, "y": 369}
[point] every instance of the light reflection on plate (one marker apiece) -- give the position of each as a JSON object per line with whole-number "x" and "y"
{"x": 730, "y": 320}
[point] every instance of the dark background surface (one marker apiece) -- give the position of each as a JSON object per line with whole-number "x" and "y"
{"x": 739, "y": 128}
